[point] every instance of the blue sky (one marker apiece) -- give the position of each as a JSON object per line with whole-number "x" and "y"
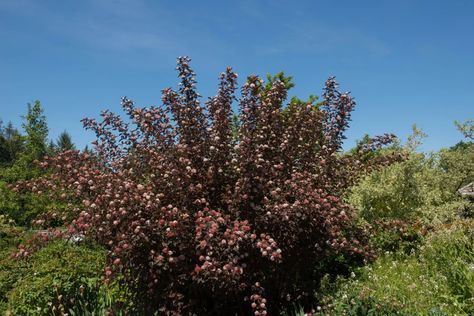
{"x": 405, "y": 61}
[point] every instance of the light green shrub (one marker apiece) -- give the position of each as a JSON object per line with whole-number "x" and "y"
{"x": 392, "y": 192}
{"x": 423, "y": 187}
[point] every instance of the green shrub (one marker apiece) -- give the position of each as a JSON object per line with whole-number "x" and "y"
{"x": 457, "y": 164}
{"x": 451, "y": 252}
{"x": 111, "y": 299}
{"x": 10, "y": 235}
{"x": 55, "y": 278}
{"x": 403, "y": 283}
{"x": 437, "y": 280}
{"x": 22, "y": 208}
{"x": 422, "y": 187}
{"x": 10, "y": 270}
{"x": 394, "y": 192}
{"x": 397, "y": 235}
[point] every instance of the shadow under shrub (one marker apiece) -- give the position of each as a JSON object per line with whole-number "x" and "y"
{"x": 202, "y": 216}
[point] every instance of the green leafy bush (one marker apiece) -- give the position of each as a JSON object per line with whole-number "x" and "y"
{"x": 437, "y": 280}
{"x": 451, "y": 252}
{"x": 19, "y": 152}
{"x": 10, "y": 270}
{"x": 55, "y": 278}
{"x": 22, "y": 208}
{"x": 422, "y": 187}
{"x": 394, "y": 192}
{"x": 397, "y": 235}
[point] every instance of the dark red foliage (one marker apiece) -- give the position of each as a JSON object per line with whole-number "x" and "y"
{"x": 201, "y": 221}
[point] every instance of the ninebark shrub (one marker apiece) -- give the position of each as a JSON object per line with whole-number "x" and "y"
{"x": 202, "y": 219}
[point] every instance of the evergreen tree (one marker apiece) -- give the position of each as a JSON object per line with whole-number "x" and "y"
{"x": 65, "y": 142}
{"x": 4, "y": 156}
{"x": 23, "y": 207}
{"x": 11, "y": 144}
{"x": 88, "y": 150}
{"x": 51, "y": 148}
{"x": 36, "y": 130}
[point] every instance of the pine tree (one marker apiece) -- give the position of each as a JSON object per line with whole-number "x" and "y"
{"x": 11, "y": 144}
{"x": 88, "y": 150}
{"x": 4, "y": 156}
{"x": 64, "y": 142}
{"x": 51, "y": 147}
{"x": 36, "y": 130}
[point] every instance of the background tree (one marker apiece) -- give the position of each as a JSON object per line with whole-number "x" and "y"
{"x": 64, "y": 142}
{"x": 12, "y": 144}
{"x": 88, "y": 150}
{"x": 23, "y": 150}
{"x": 466, "y": 128}
{"x": 36, "y": 129}
{"x": 51, "y": 148}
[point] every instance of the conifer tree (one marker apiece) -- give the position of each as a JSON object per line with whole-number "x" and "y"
{"x": 36, "y": 130}
{"x": 11, "y": 144}
{"x": 65, "y": 142}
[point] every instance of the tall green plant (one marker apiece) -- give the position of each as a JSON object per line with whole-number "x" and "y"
{"x": 23, "y": 150}
{"x": 36, "y": 129}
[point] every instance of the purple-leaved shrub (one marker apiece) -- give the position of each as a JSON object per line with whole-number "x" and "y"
{"x": 199, "y": 219}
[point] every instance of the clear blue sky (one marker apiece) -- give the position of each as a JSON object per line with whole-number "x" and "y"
{"x": 405, "y": 61}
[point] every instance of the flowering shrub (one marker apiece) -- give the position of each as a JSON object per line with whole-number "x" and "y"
{"x": 205, "y": 220}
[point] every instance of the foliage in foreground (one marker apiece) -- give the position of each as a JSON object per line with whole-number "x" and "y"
{"x": 62, "y": 278}
{"x": 437, "y": 280}
{"x": 55, "y": 278}
{"x": 202, "y": 216}
{"x": 10, "y": 237}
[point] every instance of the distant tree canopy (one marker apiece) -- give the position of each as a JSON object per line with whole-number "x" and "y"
{"x": 34, "y": 144}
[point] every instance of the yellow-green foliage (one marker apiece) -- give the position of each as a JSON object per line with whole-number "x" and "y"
{"x": 457, "y": 165}
{"x": 422, "y": 187}
{"x": 393, "y": 192}
{"x": 415, "y": 198}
